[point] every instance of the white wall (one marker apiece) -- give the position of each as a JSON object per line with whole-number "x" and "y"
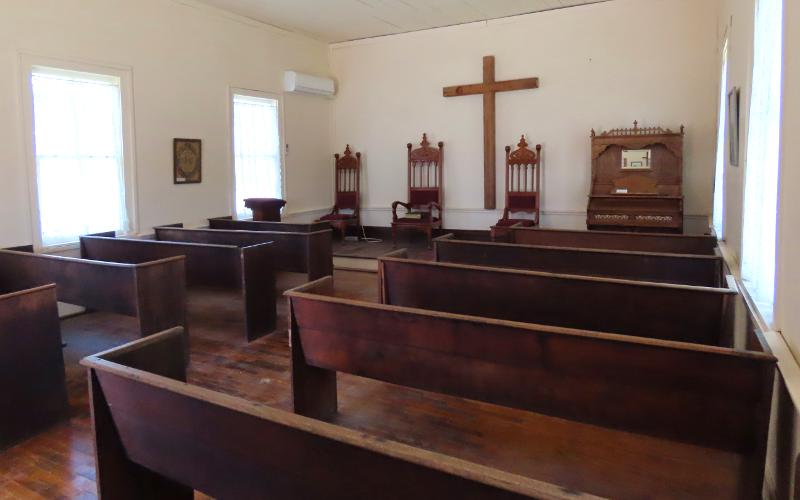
{"x": 787, "y": 294}
{"x": 787, "y": 312}
{"x": 736, "y": 22}
{"x": 601, "y": 66}
{"x": 184, "y": 58}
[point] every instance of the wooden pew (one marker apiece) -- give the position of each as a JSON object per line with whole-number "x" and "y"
{"x": 158, "y": 437}
{"x": 716, "y": 399}
{"x": 615, "y": 240}
{"x": 240, "y": 267}
{"x": 656, "y": 310}
{"x": 700, "y": 270}
{"x": 229, "y": 222}
{"x": 153, "y": 291}
{"x": 31, "y": 363}
{"x": 299, "y": 248}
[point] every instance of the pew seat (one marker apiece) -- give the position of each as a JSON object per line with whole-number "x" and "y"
{"x": 244, "y": 267}
{"x": 152, "y": 290}
{"x": 619, "y": 416}
{"x": 702, "y": 315}
{"x": 158, "y": 437}
{"x": 299, "y": 248}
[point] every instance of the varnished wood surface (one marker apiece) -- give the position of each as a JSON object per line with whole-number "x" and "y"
{"x": 610, "y": 380}
{"x": 698, "y": 244}
{"x": 140, "y": 409}
{"x": 653, "y": 310}
{"x": 265, "y": 209}
{"x": 651, "y": 198}
{"x": 489, "y": 88}
{"x": 300, "y": 248}
{"x": 699, "y": 270}
{"x": 60, "y": 464}
{"x": 244, "y": 266}
{"x": 32, "y": 380}
{"x": 152, "y": 291}
{"x": 425, "y": 191}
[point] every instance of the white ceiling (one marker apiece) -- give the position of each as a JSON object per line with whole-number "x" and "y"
{"x": 341, "y": 20}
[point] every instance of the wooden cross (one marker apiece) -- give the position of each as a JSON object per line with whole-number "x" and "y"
{"x": 488, "y": 88}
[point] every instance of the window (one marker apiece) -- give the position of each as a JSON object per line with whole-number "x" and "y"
{"x": 761, "y": 177}
{"x": 256, "y": 149}
{"x": 78, "y": 152}
{"x": 719, "y": 174}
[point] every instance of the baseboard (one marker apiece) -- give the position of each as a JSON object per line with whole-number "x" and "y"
{"x": 480, "y": 219}
{"x": 304, "y": 215}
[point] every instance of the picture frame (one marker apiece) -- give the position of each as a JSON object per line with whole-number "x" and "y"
{"x": 187, "y": 161}
{"x": 635, "y": 159}
{"x": 733, "y": 126}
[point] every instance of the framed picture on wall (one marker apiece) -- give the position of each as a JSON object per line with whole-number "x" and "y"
{"x": 733, "y": 126}
{"x": 187, "y": 155}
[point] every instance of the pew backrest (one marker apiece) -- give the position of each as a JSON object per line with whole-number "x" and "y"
{"x": 654, "y": 310}
{"x": 32, "y": 378}
{"x": 709, "y": 396}
{"x": 699, "y": 270}
{"x": 153, "y": 291}
{"x": 242, "y": 267}
{"x": 615, "y": 240}
{"x": 238, "y": 449}
{"x": 305, "y": 251}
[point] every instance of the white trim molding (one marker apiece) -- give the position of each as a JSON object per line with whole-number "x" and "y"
{"x": 262, "y": 94}
{"x": 27, "y": 61}
{"x": 479, "y": 218}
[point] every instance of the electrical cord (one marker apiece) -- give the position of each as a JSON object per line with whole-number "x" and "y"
{"x": 369, "y": 240}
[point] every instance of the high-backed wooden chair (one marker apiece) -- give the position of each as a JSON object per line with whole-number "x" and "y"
{"x": 347, "y": 168}
{"x": 523, "y": 183}
{"x": 425, "y": 191}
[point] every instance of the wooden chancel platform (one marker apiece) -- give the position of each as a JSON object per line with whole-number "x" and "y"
{"x": 363, "y": 255}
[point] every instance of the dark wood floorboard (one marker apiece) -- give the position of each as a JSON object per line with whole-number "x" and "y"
{"x": 59, "y": 463}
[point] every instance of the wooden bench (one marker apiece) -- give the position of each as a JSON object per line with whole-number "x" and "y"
{"x": 153, "y": 291}
{"x": 158, "y": 437}
{"x": 299, "y": 248}
{"x": 655, "y": 310}
{"x": 716, "y": 399}
{"x": 237, "y": 266}
{"x": 229, "y": 222}
{"x": 31, "y": 363}
{"x": 700, "y": 270}
{"x": 615, "y": 240}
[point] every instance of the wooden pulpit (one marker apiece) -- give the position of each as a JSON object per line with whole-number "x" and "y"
{"x": 265, "y": 209}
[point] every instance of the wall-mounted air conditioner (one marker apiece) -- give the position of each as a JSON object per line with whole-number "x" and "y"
{"x": 307, "y": 84}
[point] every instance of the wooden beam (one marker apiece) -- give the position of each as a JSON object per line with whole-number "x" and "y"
{"x": 480, "y": 88}
{"x": 489, "y": 87}
{"x": 489, "y": 198}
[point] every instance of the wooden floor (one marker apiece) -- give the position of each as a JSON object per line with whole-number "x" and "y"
{"x": 59, "y": 463}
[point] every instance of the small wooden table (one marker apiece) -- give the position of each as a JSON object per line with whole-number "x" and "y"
{"x": 265, "y": 209}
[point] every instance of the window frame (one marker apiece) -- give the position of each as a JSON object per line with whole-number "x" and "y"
{"x": 232, "y": 92}
{"x": 766, "y": 310}
{"x": 722, "y": 142}
{"x": 27, "y": 63}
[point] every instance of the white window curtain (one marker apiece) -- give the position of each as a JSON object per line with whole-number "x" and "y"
{"x": 719, "y": 174}
{"x": 257, "y": 150}
{"x": 761, "y": 177}
{"x": 79, "y": 156}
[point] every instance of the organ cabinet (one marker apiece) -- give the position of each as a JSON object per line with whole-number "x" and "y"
{"x": 637, "y": 180}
